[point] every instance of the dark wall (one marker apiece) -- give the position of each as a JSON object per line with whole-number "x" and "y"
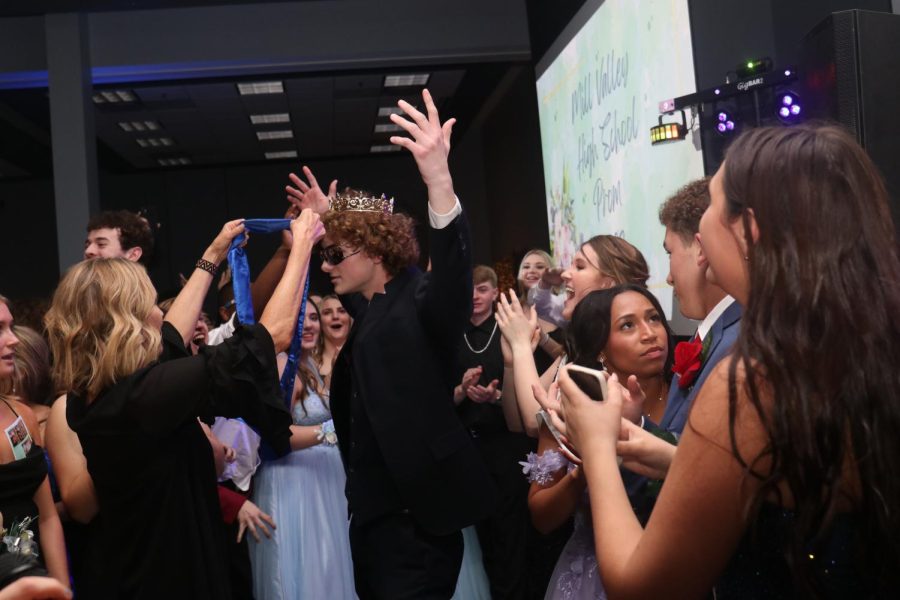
{"x": 191, "y": 205}
{"x": 28, "y": 267}
{"x": 513, "y": 165}
{"x": 727, "y": 32}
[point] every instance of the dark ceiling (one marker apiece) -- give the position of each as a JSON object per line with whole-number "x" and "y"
{"x": 208, "y": 122}
{"x": 24, "y": 8}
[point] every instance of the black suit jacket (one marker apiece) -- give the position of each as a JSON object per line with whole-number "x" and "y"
{"x": 402, "y": 351}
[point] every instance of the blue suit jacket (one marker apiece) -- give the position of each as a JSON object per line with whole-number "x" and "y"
{"x": 724, "y": 332}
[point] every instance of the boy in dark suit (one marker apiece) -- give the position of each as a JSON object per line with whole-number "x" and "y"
{"x": 414, "y": 475}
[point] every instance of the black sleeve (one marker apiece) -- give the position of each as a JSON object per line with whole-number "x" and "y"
{"x": 446, "y": 304}
{"x": 237, "y": 378}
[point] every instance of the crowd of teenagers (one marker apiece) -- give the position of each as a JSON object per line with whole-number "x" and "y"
{"x": 448, "y": 439}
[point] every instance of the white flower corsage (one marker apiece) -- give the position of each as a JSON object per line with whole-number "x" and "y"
{"x": 19, "y": 539}
{"x": 326, "y": 434}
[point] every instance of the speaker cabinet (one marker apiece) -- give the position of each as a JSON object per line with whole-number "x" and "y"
{"x": 850, "y": 65}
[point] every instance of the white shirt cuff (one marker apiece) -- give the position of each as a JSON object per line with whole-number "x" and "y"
{"x": 440, "y": 221}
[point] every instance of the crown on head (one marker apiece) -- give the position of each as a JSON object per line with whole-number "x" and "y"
{"x": 356, "y": 201}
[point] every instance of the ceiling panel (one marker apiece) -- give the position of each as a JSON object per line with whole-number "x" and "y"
{"x": 331, "y": 115}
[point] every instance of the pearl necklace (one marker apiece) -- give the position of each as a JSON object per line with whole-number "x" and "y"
{"x": 490, "y": 339}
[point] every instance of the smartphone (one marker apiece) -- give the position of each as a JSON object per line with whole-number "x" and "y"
{"x": 568, "y": 451}
{"x": 589, "y": 381}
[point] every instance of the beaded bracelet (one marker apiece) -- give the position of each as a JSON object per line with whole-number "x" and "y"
{"x": 209, "y": 267}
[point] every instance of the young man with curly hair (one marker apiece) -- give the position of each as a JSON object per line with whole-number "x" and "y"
{"x": 414, "y": 475}
{"x": 700, "y": 298}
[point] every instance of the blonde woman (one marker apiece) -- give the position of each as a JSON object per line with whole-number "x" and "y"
{"x": 24, "y": 486}
{"x": 134, "y": 397}
{"x": 534, "y": 265}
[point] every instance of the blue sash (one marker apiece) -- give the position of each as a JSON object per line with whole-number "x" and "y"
{"x": 240, "y": 282}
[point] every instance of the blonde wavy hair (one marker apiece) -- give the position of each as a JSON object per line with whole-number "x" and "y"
{"x": 97, "y": 325}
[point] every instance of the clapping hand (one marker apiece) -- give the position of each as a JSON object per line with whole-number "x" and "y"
{"x": 518, "y": 326}
{"x": 483, "y": 393}
{"x": 310, "y": 195}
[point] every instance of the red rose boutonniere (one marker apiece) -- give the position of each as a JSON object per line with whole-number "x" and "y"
{"x": 689, "y": 358}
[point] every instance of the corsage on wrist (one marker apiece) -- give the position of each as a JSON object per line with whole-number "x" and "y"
{"x": 326, "y": 433}
{"x": 19, "y": 539}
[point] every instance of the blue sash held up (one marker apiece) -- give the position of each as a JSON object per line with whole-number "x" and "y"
{"x": 240, "y": 281}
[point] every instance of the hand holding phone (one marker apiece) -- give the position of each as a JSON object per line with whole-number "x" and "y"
{"x": 590, "y": 381}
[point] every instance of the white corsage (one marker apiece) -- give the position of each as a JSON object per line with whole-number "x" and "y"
{"x": 19, "y": 539}
{"x": 326, "y": 434}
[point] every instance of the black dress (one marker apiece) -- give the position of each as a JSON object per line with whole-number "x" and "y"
{"x": 19, "y": 480}
{"x": 152, "y": 465}
{"x": 759, "y": 567}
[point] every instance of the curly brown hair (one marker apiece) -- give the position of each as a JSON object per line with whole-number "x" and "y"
{"x": 682, "y": 211}
{"x": 389, "y": 236}
{"x": 134, "y": 230}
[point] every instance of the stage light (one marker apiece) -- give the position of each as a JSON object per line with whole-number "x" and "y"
{"x": 789, "y": 107}
{"x": 725, "y": 122}
{"x": 668, "y": 132}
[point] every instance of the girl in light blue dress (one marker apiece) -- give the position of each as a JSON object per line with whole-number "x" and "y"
{"x": 308, "y": 556}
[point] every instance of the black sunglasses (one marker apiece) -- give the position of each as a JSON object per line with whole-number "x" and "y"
{"x": 334, "y": 255}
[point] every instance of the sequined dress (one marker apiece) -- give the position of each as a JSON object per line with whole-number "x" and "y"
{"x": 576, "y": 576}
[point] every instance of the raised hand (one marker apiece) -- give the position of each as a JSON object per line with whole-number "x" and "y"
{"x": 293, "y": 211}
{"x": 219, "y": 246}
{"x": 518, "y": 326}
{"x": 308, "y": 226}
{"x": 551, "y": 278}
{"x": 429, "y": 145}
{"x": 310, "y": 195}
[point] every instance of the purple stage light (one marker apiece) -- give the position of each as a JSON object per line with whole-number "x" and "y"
{"x": 729, "y": 125}
{"x": 722, "y": 127}
{"x": 784, "y": 111}
{"x": 717, "y": 92}
{"x": 787, "y": 72}
{"x": 787, "y": 100}
{"x": 795, "y": 110}
{"x": 723, "y": 116}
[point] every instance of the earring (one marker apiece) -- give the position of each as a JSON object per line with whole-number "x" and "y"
{"x": 747, "y": 258}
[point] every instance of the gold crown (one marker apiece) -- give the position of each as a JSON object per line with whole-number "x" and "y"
{"x": 361, "y": 203}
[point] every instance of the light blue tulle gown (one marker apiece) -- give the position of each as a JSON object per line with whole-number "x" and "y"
{"x": 308, "y": 556}
{"x": 473, "y": 582}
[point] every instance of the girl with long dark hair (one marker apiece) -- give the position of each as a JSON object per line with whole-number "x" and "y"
{"x": 784, "y": 482}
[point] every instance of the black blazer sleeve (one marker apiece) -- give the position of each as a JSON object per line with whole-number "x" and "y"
{"x": 446, "y": 300}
